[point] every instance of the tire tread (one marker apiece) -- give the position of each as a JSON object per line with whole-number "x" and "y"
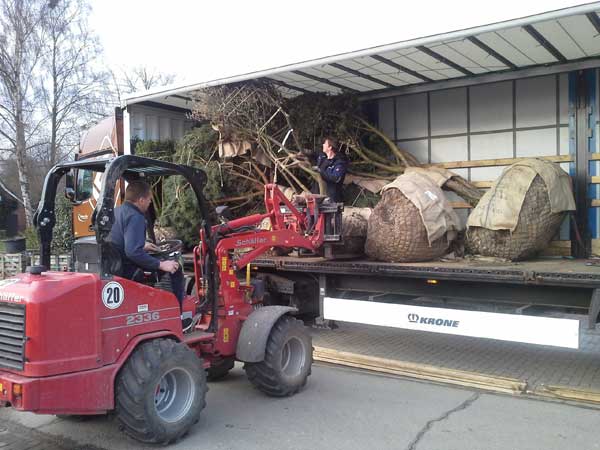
{"x": 134, "y": 380}
{"x": 264, "y": 375}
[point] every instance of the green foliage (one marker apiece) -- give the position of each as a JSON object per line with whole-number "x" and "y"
{"x": 62, "y": 237}
{"x": 316, "y": 116}
{"x": 199, "y": 143}
{"x": 356, "y": 196}
{"x": 199, "y": 149}
{"x": 62, "y": 234}
{"x": 180, "y": 211}
{"x": 32, "y": 241}
{"x": 180, "y": 207}
{"x": 163, "y": 150}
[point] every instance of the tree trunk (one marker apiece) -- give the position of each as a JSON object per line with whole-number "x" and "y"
{"x": 53, "y": 130}
{"x": 54, "y": 108}
{"x": 21, "y": 154}
{"x": 24, "y": 180}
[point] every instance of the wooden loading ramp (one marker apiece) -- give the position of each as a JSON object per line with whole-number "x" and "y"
{"x": 493, "y": 366}
{"x": 420, "y": 371}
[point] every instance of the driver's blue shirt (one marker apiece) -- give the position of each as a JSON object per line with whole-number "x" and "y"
{"x": 128, "y": 236}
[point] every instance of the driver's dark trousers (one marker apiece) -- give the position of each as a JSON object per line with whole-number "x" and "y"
{"x": 178, "y": 284}
{"x": 177, "y": 280}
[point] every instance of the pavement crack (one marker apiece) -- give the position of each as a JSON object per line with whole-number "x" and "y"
{"x": 423, "y": 431}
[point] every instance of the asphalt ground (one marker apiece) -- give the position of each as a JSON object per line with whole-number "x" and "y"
{"x": 340, "y": 408}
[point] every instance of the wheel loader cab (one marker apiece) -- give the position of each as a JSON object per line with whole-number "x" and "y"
{"x": 96, "y": 254}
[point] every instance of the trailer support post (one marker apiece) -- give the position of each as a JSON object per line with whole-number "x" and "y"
{"x": 320, "y": 320}
{"x": 594, "y": 309}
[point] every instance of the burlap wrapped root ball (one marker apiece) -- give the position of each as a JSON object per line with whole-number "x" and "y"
{"x": 537, "y": 223}
{"x": 396, "y": 231}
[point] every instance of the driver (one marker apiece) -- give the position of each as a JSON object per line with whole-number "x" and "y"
{"x": 128, "y": 236}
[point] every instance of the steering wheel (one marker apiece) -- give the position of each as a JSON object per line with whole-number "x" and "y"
{"x": 169, "y": 249}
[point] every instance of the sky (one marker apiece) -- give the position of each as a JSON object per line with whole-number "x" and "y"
{"x": 206, "y": 40}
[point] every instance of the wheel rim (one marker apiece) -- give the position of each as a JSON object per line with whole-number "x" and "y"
{"x": 174, "y": 395}
{"x": 293, "y": 357}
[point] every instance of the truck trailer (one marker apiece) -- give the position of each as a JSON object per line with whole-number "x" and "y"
{"x": 538, "y": 301}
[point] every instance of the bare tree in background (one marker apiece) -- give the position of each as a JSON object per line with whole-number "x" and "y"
{"x": 52, "y": 83}
{"x": 20, "y": 54}
{"x": 73, "y": 80}
{"x": 143, "y": 78}
{"x": 139, "y": 78}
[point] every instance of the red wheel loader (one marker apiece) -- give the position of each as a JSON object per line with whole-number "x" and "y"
{"x": 89, "y": 341}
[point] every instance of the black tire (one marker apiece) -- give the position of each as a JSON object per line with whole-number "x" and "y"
{"x": 160, "y": 392}
{"x": 220, "y": 369}
{"x": 288, "y": 360}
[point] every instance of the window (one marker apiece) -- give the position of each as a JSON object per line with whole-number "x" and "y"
{"x": 85, "y": 185}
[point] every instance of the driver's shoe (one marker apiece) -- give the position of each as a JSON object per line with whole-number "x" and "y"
{"x": 189, "y": 323}
{"x": 186, "y": 324}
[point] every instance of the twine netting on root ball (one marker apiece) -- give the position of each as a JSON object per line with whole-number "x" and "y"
{"x": 354, "y": 231}
{"x": 536, "y": 227}
{"x": 396, "y": 232}
{"x": 413, "y": 221}
{"x": 521, "y": 213}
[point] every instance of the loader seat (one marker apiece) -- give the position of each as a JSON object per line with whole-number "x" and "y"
{"x": 87, "y": 260}
{"x": 112, "y": 259}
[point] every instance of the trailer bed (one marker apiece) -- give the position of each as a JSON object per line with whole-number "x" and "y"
{"x": 550, "y": 282}
{"x": 542, "y": 271}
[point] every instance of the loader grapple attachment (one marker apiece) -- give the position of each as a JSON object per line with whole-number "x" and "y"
{"x": 333, "y": 221}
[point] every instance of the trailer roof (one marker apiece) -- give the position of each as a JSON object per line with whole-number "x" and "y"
{"x": 554, "y": 41}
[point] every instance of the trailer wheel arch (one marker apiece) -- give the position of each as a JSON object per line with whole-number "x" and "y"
{"x": 255, "y": 332}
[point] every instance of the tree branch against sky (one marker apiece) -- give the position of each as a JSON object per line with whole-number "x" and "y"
{"x": 74, "y": 76}
{"x": 53, "y": 82}
{"x": 142, "y": 78}
{"x": 20, "y": 54}
{"x": 137, "y": 79}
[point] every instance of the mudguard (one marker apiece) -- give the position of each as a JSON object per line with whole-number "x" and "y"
{"x": 256, "y": 330}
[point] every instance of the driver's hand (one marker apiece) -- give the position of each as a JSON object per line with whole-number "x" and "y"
{"x": 169, "y": 266}
{"x": 151, "y": 247}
